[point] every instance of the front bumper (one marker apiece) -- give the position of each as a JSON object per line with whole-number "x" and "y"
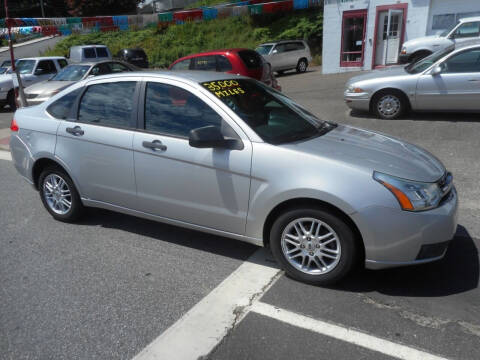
{"x": 357, "y": 101}
{"x": 394, "y": 237}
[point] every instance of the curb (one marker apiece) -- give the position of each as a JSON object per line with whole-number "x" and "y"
{"x": 6, "y": 48}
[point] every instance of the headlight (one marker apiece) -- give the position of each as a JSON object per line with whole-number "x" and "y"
{"x": 411, "y": 195}
{"x": 355, "y": 90}
{"x": 404, "y": 50}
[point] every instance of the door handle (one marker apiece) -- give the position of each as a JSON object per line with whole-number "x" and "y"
{"x": 77, "y": 131}
{"x": 154, "y": 145}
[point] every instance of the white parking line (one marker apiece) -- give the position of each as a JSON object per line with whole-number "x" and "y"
{"x": 5, "y": 155}
{"x": 197, "y": 332}
{"x": 342, "y": 333}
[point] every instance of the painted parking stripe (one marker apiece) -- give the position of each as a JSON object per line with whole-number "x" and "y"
{"x": 197, "y": 332}
{"x": 5, "y": 155}
{"x": 342, "y": 333}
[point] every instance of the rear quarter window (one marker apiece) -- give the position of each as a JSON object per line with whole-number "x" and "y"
{"x": 251, "y": 59}
{"x": 60, "y": 109}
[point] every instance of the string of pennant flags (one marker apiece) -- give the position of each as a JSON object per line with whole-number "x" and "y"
{"x": 81, "y": 25}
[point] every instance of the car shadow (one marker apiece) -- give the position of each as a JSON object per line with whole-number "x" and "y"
{"x": 424, "y": 116}
{"x": 457, "y": 272}
{"x": 168, "y": 233}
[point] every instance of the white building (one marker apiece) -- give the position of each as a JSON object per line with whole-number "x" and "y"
{"x": 367, "y": 34}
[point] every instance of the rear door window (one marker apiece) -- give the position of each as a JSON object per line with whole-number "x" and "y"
{"x": 207, "y": 63}
{"x": 182, "y": 65}
{"x": 108, "y": 104}
{"x": 46, "y": 67}
{"x": 89, "y": 53}
{"x": 251, "y": 59}
{"x": 223, "y": 64}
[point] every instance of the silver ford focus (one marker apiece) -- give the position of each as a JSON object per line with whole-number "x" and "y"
{"x": 229, "y": 156}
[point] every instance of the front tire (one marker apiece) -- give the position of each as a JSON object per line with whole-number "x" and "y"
{"x": 313, "y": 245}
{"x": 389, "y": 105}
{"x": 59, "y": 195}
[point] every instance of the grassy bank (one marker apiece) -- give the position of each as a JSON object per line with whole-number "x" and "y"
{"x": 163, "y": 46}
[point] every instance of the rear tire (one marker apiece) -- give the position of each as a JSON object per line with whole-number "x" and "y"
{"x": 59, "y": 195}
{"x": 11, "y": 100}
{"x": 302, "y": 65}
{"x": 389, "y": 104}
{"x": 313, "y": 245}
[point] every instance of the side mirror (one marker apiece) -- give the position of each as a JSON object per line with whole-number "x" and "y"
{"x": 275, "y": 51}
{"x": 212, "y": 137}
{"x": 437, "y": 70}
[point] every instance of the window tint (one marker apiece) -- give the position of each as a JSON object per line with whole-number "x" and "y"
{"x": 89, "y": 53}
{"x": 182, "y": 65}
{"x": 264, "y": 49}
{"x": 109, "y": 104}
{"x": 118, "y": 67}
{"x": 102, "y": 52}
{"x": 251, "y": 58}
{"x": 471, "y": 29}
{"x": 465, "y": 62}
{"x": 207, "y": 63}
{"x": 281, "y": 48}
{"x": 101, "y": 69}
{"x": 62, "y": 63}
{"x": 174, "y": 111}
{"x": 46, "y": 67}
{"x": 293, "y": 46}
{"x": 71, "y": 73}
{"x": 25, "y": 66}
{"x": 223, "y": 64}
{"x": 60, "y": 109}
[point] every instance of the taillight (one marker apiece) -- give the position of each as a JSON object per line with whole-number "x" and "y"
{"x": 13, "y": 125}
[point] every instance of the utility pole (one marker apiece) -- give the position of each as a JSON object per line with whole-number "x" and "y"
{"x": 23, "y": 102}
{"x": 41, "y": 7}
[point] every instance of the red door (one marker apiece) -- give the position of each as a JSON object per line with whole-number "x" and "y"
{"x": 353, "y": 38}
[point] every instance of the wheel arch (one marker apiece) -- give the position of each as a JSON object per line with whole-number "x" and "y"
{"x": 42, "y": 163}
{"x": 309, "y": 202}
{"x": 390, "y": 90}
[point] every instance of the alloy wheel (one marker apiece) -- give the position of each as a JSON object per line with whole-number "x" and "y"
{"x": 57, "y": 194}
{"x": 311, "y": 246}
{"x": 389, "y": 106}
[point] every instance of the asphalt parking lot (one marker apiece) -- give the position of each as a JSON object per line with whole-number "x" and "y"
{"x": 109, "y": 286}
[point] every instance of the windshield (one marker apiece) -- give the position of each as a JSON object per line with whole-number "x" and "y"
{"x": 71, "y": 73}
{"x": 25, "y": 66}
{"x": 273, "y": 116}
{"x": 446, "y": 32}
{"x": 424, "y": 64}
{"x": 264, "y": 49}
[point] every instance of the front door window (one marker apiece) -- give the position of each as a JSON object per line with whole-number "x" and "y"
{"x": 353, "y": 38}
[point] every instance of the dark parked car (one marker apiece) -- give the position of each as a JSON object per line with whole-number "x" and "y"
{"x": 136, "y": 57}
{"x": 244, "y": 62}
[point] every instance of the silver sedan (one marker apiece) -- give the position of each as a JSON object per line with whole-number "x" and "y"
{"x": 230, "y": 156}
{"x": 42, "y": 91}
{"x": 448, "y": 80}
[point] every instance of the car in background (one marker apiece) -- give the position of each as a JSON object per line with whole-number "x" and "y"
{"x": 244, "y": 62}
{"x": 448, "y": 80}
{"x": 40, "y": 92}
{"x": 464, "y": 32}
{"x": 82, "y": 53}
{"x": 286, "y": 55}
{"x": 228, "y": 155}
{"x": 136, "y": 57}
{"x": 31, "y": 70}
{"x": 7, "y": 64}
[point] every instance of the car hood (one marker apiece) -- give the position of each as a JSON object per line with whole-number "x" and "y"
{"x": 427, "y": 41}
{"x": 47, "y": 86}
{"x": 379, "y": 74}
{"x": 374, "y": 152}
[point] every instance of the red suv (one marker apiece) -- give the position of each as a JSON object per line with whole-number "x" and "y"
{"x": 233, "y": 61}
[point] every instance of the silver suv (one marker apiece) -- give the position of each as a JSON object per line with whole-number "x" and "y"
{"x": 230, "y": 156}
{"x": 286, "y": 55}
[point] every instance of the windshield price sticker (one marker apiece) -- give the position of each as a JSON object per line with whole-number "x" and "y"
{"x": 223, "y": 88}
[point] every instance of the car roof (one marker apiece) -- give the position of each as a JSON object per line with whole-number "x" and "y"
{"x": 91, "y": 63}
{"x": 85, "y": 46}
{"x": 214, "y": 52}
{"x": 189, "y": 75}
{"x": 280, "y": 41}
{"x": 473, "y": 18}
{"x": 44, "y": 58}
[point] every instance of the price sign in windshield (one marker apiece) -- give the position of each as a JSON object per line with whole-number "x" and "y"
{"x": 224, "y": 88}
